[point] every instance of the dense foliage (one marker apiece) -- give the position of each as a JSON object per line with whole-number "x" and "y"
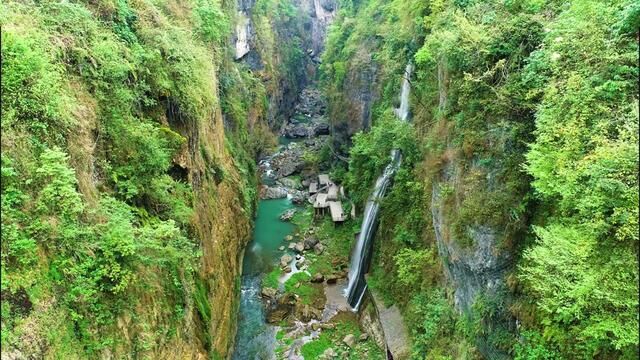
{"x": 526, "y": 121}
{"x": 112, "y": 124}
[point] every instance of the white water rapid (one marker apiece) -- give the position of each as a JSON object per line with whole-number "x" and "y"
{"x": 361, "y": 255}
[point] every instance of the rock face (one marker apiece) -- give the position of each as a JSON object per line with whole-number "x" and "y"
{"x": 472, "y": 270}
{"x": 309, "y": 26}
{"x": 351, "y": 112}
{"x": 479, "y": 267}
{"x": 242, "y": 35}
{"x": 387, "y": 324}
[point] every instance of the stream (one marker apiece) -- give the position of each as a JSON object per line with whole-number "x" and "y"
{"x": 255, "y": 338}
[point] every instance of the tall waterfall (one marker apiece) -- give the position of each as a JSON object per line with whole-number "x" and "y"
{"x": 361, "y": 255}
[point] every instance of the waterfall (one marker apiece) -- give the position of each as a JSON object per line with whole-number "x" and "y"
{"x": 403, "y": 111}
{"x": 361, "y": 255}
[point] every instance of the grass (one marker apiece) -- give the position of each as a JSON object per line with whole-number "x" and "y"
{"x": 337, "y": 241}
{"x": 271, "y": 279}
{"x": 303, "y": 219}
{"x": 307, "y": 292}
{"x": 345, "y": 324}
{"x": 315, "y": 348}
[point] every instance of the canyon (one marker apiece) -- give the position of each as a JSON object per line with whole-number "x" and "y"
{"x": 319, "y": 179}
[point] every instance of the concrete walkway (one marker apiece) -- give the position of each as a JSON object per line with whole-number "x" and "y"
{"x": 395, "y": 332}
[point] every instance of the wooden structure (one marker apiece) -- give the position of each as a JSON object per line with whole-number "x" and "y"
{"x": 337, "y": 214}
{"x": 320, "y": 205}
{"x": 325, "y": 196}
{"x": 323, "y": 179}
{"x": 332, "y": 194}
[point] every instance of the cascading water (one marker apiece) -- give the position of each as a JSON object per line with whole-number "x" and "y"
{"x": 361, "y": 255}
{"x": 403, "y": 111}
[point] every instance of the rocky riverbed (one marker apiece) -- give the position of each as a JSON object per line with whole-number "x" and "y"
{"x": 302, "y": 295}
{"x": 284, "y": 173}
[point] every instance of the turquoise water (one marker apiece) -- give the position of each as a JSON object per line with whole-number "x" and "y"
{"x": 255, "y": 339}
{"x": 286, "y": 141}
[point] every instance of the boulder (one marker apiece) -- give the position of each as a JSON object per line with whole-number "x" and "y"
{"x": 318, "y": 249}
{"x": 285, "y": 260}
{"x": 296, "y": 131}
{"x": 321, "y": 129}
{"x": 292, "y": 246}
{"x": 307, "y": 313}
{"x": 277, "y": 315}
{"x": 281, "y": 309}
{"x": 287, "y": 162}
{"x": 350, "y": 340}
{"x": 298, "y": 197}
{"x": 269, "y": 293}
{"x": 317, "y": 278}
{"x": 299, "y": 247}
{"x": 299, "y": 263}
{"x": 267, "y": 192}
{"x": 287, "y": 269}
{"x": 287, "y": 215}
{"x": 281, "y": 248}
{"x": 328, "y": 326}
{"x": 288, "y": 238}
{"x": 289, "y": 183}
{"x": 363, "y": 337}
{"x": 332, "y": 279}
{"x": 328, "y": 354}
{"x": 310, "y": 242}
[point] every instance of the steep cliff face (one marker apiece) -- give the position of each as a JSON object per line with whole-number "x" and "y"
{"x": 352, "y": 110}
{"x": 281, "y": 42}
{"x": 455, "y": 216}
{"x": 473, "y": 235}
{"x": 129, "y": 137}
{"x": 359, "y": 78}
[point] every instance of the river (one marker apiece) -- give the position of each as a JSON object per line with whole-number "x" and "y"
{"x": 255, "y": 338}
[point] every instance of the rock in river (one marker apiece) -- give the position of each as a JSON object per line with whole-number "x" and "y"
{"x": 285, "y": 260}
{"x": 288, "y": 215}
{"x": 267, "y": 192}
